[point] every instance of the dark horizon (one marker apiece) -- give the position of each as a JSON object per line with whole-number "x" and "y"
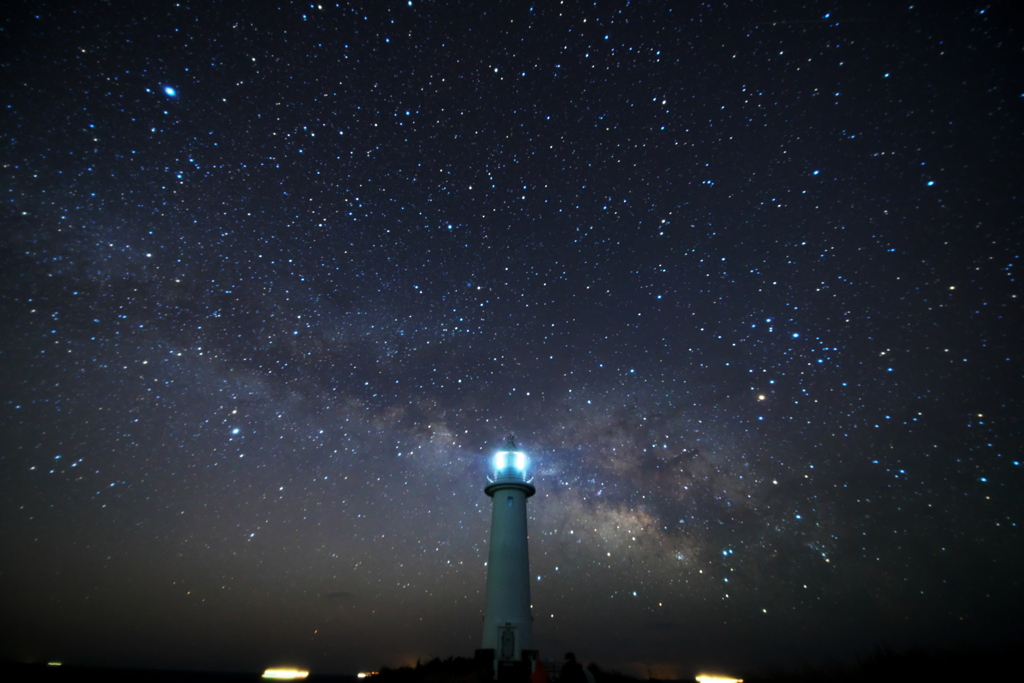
{"x": 279, "y": 280}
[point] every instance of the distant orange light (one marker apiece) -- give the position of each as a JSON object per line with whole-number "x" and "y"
{"x": 285, "y": 674}
{"x": 709, "y": 678}
{"x": 364, "y": 674}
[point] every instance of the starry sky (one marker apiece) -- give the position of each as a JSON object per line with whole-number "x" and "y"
{"x": 741, "y": 278}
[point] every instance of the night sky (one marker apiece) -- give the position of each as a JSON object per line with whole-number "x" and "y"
{"x": 742, "y": 279}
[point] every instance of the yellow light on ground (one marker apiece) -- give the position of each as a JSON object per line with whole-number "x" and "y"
{"x": 285, "y": 674}
{"x": 364, "y": 674}
{"x": 709, "y": 678}
{"x": 54, "y": 663}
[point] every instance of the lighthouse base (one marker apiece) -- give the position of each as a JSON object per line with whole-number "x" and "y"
{"x": 508, "y": 671}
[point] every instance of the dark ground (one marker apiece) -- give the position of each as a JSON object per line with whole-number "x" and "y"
{"x": 880, "y": 667}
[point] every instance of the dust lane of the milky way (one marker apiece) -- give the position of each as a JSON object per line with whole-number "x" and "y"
{"x": 742, "y": 279}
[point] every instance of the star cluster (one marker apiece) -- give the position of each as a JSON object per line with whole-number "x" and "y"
{"x": 741, "y": 279}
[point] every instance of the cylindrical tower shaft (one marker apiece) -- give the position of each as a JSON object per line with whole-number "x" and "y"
{"x": 508, "y": 624}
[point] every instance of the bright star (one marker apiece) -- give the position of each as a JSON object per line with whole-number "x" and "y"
{"x": 170, "y": 92}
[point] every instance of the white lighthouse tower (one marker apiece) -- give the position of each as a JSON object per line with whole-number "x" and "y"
{"x": 508, "y": 624}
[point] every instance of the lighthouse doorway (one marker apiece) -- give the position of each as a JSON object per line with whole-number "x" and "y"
{"x": 507, "y": 638}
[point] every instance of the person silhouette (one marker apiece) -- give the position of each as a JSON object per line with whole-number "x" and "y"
{"x": 572, "y": 672}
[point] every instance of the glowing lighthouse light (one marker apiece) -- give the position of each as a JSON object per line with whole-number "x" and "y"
{"x": 504, "y": 460}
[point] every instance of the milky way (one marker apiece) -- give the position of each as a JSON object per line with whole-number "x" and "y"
{"x": 742, "y": 281}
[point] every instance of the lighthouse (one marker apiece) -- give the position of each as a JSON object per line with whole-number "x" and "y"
{"x": 508, "y": 624}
